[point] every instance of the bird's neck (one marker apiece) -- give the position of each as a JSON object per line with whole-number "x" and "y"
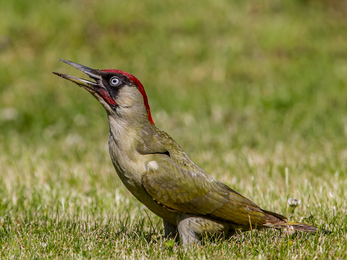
{"x": 126, "y": 136}
{"x": 128, "y": 129}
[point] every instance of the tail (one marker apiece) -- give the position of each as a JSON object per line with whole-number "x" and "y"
{"x": 274, "y": 220}
{"x": 296, "y": 226}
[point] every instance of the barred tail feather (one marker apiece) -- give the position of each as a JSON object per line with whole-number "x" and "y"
{"x": 275, "y": 220}
{"x": 296, "y": 226}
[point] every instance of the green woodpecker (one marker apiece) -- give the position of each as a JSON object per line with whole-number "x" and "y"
{"x": 159, "y": 173}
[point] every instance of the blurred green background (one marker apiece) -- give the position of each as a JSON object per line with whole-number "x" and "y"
{"x": 275, "y": 71}
{"x": 253, "y": 91}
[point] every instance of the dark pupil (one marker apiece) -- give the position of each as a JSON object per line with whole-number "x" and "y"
{"x": 115, "y": 81}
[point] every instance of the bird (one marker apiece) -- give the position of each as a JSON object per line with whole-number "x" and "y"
{"x": 156, "y": 170}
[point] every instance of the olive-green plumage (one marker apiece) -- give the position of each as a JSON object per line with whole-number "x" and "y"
{"x": 158, "y": 173}
{"x": 180, "y": 185}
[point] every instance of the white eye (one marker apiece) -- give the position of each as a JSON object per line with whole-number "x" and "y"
{"x": 115, "y": 81}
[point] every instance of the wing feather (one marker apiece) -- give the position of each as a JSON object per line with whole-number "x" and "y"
{"x": 190, "y": 190}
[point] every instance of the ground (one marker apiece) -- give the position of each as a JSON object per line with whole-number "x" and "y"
{"x": 254, "y": 92}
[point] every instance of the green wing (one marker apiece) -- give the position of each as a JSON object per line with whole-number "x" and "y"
{"x": 190, "y": 190}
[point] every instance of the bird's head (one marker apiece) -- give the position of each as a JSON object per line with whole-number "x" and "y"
{"x": 119, "y": 92}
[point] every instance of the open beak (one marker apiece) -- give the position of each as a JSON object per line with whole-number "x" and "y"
{"x": 89, "y": 85}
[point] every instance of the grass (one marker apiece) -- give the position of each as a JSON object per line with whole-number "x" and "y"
{"x": 255, "y": 93}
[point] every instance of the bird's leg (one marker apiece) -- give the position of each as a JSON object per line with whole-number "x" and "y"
{"x": 188, "y": 231}
{"x": 191, "y": 228}
{"x": 169, "y": 229}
